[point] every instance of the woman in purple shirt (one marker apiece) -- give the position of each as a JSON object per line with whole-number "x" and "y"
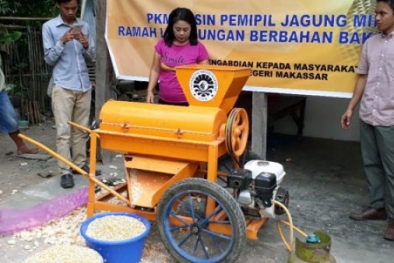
{"x": 178, "y": 47}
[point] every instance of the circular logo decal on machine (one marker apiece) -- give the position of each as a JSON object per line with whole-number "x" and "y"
{"x": 203, "y": 85}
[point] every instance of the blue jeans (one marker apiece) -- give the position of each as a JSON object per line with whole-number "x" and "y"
{"x": 8, "y": 118}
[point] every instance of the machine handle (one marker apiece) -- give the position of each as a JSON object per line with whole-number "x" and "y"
{"x": 73, "y": 166}
{"x": 54, "y": 154}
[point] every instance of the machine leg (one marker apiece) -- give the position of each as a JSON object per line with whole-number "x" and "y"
{"x": 90, "y": 209}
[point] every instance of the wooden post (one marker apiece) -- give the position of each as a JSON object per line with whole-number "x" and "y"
{"x": 104, "y": 70}
{"x": 259, "y": 124}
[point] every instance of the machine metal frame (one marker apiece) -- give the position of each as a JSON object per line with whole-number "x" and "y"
{"x": 162, "y": 157}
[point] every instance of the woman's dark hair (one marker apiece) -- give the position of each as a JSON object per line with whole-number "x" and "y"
{"x": 183, "y": 14}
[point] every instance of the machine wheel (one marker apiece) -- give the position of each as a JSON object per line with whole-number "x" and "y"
{"x": 184, "y": 225}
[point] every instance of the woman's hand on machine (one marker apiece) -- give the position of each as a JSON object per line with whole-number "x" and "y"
{"x": 150, "y": 97}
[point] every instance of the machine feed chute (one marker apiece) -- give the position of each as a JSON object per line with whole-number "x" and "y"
{"x": 212, "y": 86}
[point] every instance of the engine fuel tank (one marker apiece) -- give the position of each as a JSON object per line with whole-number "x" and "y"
{"x": 259, "y": 166}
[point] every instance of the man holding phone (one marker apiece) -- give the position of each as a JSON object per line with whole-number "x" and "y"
{"x": 68, "y": 45}
{"x": 76, "y": 31}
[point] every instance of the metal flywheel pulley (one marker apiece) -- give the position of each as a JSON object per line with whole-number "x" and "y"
{"x": 237, "y": 131}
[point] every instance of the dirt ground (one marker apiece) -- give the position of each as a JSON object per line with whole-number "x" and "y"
{"x": 17, "y": 171}
{"x": 324, "y": 178}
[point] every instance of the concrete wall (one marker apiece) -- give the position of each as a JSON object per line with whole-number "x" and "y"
{"x": 322, "y": 120}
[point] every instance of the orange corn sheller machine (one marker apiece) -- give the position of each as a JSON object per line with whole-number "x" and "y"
{"x": 164, "y": 144}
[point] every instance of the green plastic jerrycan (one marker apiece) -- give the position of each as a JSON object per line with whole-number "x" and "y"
{"x": 316, "y": 249}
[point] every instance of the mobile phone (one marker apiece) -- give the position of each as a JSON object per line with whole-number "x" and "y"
{"x": 76, "y": 29}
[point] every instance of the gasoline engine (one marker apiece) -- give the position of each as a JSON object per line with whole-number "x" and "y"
{"x": 256, "y": 186}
